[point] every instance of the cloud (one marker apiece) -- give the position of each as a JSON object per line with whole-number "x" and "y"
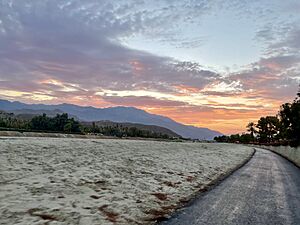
{"x": 72, "y": 51}
{"x": 270, "y": 78}
{"x": 144, "y": 102}
{"x": 75, "y": 43}
{"x": 276, "y": 75}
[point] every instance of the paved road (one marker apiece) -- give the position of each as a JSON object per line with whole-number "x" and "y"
{"x": 265, "y": 191}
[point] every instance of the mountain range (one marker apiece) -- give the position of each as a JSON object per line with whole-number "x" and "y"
{"x": 116, "y": 114}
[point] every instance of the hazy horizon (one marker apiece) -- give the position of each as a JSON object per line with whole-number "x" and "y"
{"x": 213, "y": 64}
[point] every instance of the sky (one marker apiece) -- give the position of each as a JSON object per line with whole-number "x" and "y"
{"x": 208, "y": 63}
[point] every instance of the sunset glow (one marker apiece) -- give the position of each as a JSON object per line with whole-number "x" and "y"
{"x": 173, "y": 58}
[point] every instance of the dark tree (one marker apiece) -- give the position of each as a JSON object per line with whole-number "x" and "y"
{"x": 268, "y": 128}
{"x": 251, "y": 129}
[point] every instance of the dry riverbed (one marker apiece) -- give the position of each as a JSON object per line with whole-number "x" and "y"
{"x": 86, "y": 181}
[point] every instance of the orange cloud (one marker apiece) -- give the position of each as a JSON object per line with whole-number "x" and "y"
{"x": 186, "y": 89}
{"x": 223, "y": 120}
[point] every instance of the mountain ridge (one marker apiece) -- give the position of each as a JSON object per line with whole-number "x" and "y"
{"x": 117, "y": 114}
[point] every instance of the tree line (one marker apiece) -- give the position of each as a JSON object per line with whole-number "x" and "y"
{"x": 59, "y": 123}
{"x": 119, "y": 130}
{"x": 63, "y": 124}
{"x": 280, "y": 129}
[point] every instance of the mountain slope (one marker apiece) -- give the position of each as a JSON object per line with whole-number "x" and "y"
{"x": 143, "y": 127}
{"x": 117, "y": 114}
{"x": 29, "y": 113}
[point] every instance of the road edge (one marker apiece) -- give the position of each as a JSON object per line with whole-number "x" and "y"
{"x": 281, "y": 155}
{"x": 203, "y": 189}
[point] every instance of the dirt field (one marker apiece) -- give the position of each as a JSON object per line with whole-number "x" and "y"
{"x": 86, "y": 181}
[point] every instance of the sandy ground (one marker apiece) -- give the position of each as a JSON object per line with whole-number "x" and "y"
{"x": 84, "y": 181}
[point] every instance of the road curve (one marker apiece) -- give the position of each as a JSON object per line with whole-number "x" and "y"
{"x": 265, "y": 191}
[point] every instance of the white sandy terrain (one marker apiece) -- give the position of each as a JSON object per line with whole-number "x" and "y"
{"x": 85, "y": 181}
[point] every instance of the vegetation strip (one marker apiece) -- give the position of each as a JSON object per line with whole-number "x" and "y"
{"x": 282, "y": 129}
{"x": 62, "y": 123}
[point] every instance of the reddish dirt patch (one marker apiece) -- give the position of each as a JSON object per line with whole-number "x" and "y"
{"x": 46, "y": 217}
{"x": 169, "y": 208}
{"x": 190, "y": 178}
{"x": 156, "y": 215}
{"x": 160, "y": 214}
{"x": 184, "y": 200}
{"x": 161, "y": 196}
{"x": 110, "y": 216}
{"x": 34, "y": 212}
{"x": 203, "y": 188}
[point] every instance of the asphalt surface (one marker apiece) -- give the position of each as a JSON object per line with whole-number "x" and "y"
{"x": 265, "y": 191}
